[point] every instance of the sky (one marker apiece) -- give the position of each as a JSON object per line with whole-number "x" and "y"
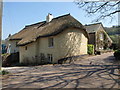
{"x": 16, "y": 15}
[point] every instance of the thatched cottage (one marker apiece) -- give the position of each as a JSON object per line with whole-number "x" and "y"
{"x": 98, "y": 37}
{"x": 50, "y": 40}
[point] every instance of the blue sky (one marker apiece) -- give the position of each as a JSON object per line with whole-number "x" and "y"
{"x": 18, "y": 14}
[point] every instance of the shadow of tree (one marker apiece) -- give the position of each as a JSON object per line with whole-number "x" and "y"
{"x": 74, "y": 76}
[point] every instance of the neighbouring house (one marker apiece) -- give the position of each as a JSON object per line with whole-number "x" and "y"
{"x": 3, "y": 47}
{"x": 98, "y": 37}
{"x": 11, "y": 44}
{"x": 4, "y": 50}
{"x": 50, "y": 40}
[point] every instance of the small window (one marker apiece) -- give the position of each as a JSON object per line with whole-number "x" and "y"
{"x": 50, "y": 42}
{"x": 25, "y": 47}
{"x": 50, "y": 58}
{"x": 101, "y": 36}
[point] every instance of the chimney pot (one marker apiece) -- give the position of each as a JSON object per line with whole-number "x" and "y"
{"x": 49, "y": 17}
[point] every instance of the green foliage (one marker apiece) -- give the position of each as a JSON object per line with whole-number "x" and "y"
{"x": 4, "y": 72}
{"x": 117, "y": 54}
{"x": 116, "y": 40}
{"x": 114, "y": 33}
{"x": 113, "y": 30}
{"x": 90, "y": 49}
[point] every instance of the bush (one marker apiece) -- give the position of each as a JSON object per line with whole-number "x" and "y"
{"x": 90, "y": 49}
{"x": 4, "y": 72}
{"x": 10, "y": 59}
{"x": 117, "y": 54}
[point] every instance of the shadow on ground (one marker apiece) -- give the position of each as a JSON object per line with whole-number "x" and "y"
{"x": 86, "y": 73}
{"x": 66, "y": 76}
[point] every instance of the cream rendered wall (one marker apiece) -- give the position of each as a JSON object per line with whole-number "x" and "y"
{"x": 14, "y": 48}
{"x": 70, "y": 42}
{"x": 27, "y": 56}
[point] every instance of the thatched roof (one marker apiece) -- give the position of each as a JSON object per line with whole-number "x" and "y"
{"x": 43, "y": 29}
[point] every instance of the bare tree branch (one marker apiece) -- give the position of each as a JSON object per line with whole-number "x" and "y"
{"x": 100, "y": 9}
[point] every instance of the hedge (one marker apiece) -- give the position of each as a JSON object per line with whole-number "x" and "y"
{"x": 117, "y": 54}
{"x": 90, "y": 49}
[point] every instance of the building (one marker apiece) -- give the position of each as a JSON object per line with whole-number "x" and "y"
{"x": 98, "y": 37}
{"x": 50, "y": 40}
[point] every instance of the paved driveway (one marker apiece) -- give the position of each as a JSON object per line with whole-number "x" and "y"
{"x": 92, "y": 72}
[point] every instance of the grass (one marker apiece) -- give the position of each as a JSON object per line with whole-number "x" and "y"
{"x": 3, "y": 72}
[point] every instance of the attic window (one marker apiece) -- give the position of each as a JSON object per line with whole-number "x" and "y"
{"x": 50, "y": 42}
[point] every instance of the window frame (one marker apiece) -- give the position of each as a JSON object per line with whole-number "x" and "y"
{"x": 26, "y": 47}
{"x": 16, "y": 44}
{"x": 101, "y": 35}
{"x": 50, "y": 58}
{"x": 51, "y": 42}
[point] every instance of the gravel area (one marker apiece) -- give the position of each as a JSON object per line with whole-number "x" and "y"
{"x": 98, "y": 71}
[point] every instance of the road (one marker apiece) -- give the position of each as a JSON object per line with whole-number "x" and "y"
{"x": 91, "y": 72}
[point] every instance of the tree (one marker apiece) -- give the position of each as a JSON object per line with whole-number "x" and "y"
{"x": 101, "y": 10}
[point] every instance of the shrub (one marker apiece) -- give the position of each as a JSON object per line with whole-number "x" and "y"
{"x": 10, "y": 59}
{"x": 117, "y": 54}
{"x": 90, "y": 49}
{"x": 4, "y": 72}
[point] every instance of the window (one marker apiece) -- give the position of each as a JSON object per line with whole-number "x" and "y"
{"x": 16, "y": 44}
{"x": 25, "y": 47}
{"x": 50, "y": 42}
{"x": 50, "y": 58}
{"x": 101, "y": 36}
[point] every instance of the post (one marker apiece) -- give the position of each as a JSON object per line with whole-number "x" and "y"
{"x": 1, "y": 7}
{"x": 119, "y": 47}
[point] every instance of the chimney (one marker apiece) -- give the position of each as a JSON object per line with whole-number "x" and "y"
{"x": 49, "y": 17}
{"x": 9, "y": 35}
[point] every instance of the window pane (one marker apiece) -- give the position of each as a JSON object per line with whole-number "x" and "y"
{"x": 50, "y": 42}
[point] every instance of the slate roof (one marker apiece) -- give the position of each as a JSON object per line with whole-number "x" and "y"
{"x": 92, "y": 28}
